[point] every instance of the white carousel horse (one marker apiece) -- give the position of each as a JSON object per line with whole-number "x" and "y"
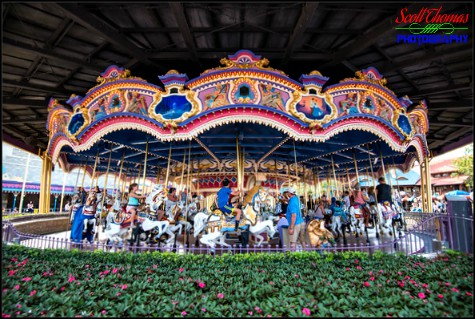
{"x": 389, "y": 214}
{"x": 217, "y": 225}
{"x": 357, "y": 219}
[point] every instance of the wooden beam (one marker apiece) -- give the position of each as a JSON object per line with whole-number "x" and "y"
{"x": 445, "y": 53}
{"x": 457, "y": 124}
{"x": 447, "y": 139}
{"x": 440, "y": 90}
{"x": 366, "y": 39}
{"x": 35, "y": 87}
{"x": 47, "y": 53}
{"x": 237, "y": 28}
{"x": 85, "y": 18}
{"x": 270, "y": 54}
{"x": 179, "y": 12}
{"x": 306, "y": 14}
{"x": 24, "y": 102}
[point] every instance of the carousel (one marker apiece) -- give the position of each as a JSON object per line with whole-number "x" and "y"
{"x": 243, "y": 121}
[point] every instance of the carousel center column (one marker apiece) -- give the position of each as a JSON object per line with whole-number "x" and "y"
{"x": 45, "y": 184}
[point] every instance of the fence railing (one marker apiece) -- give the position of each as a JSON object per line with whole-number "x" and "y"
{"x": 424, "y": 233}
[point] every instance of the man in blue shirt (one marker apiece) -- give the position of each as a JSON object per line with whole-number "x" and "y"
{"x": 224, "y": 205}
{"x": 294, "y": 217}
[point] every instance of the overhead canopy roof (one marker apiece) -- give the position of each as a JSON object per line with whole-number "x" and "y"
{"x": 58, "y": 49}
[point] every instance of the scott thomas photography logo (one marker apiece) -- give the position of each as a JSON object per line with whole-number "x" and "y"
{"x": 432, "y": 26}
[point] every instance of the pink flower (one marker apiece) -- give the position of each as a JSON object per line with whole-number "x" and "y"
{"x": 115, "y": 270}
{"x": 468, "y": 293}
{"x": 103, "y": 312}
{"x": 358, "y": 267}
{"x": 87, "y": 266}
{"x": 425, "y": 285}
{"x": 201, "y": 285}
{"x": 421, "y": 295}
{"x": 26, "y": 279}
{"x": 181, "y": 270}
{"x": 4, "y": 315}
{"x": 347, "y": 269}
{"x": 174, "y": 302}
{"x": 269, "y": 316}
{"x": 381, "y": 271}
{"x": 106, "y": 272}
{"x": 71, "y": 278}
{"x": 447, "y": 283}
{"x": 399, "y": 273}
{"x": 155, "y": 266}
{"x": 4, "y": 290}
{"x": 455, "y": 289}
{"x": 118, "y": 294}
{"x": 256, "y": 308}
{"x": 18, "y": 305}
{"x": 401, "y": 284}
{"x": 220, "y": 296}
{"x": 371, "y": 278}
{"x": 183, "y": 313}
{"x": 203, "y": 309}
{"x": 17, "y": 287}
{"x": 33, "y": 293}
{"x": 124, "y": 287}
{"x": 306, "y": 311}
{"x": 62, "y": 288}
{"x": 357, "y": 261}
{"x": 18, "y": 312}
{"x": 11, "y": 272}
{"x": 370, "y": 273}
{"x": 250, "y": 313}
{"x": 366, "y": 284}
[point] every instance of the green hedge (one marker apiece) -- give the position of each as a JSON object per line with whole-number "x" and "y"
{"x": 56, "y": 283}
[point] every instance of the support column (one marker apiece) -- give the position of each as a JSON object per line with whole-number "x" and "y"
{"x": 55, "y": 202}
{"x": 25, "y": 176}
{"x": 423, "y": 182}
{"x": 428, "y": 185}
{"x": 45, "y": 184}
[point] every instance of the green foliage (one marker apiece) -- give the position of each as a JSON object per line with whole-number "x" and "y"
{"x": 464, "y": 166}
{"x": 100, "y": 284}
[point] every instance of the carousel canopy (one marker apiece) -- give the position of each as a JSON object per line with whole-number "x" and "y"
{"x": 244, "y": 109}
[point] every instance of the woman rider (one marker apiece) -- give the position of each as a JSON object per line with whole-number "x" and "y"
{"x": 133, "y": 202}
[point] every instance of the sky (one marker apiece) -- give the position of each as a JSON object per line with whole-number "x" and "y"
{"x": 456, "y": 153}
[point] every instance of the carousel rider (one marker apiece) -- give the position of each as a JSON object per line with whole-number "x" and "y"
{"x": 223, "y": 198}
{"x": 133, "y": 202}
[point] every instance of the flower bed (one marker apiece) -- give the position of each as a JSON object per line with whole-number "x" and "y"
{"x": 49, "y": 283}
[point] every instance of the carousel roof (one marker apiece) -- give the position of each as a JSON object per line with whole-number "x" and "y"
{"x": 60, "y": 49}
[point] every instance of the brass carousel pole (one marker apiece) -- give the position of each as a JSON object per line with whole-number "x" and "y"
{"x": 85, "y": 171}
{"x": 182, "y": 173}
{"x": 356, "y": 167}
{"x": 185, "y": 239}
{"x": 238, "y": 170}
{"x": 371, "y": 167}
{"x": 423, "y": 185}
{"x": 397, "y": 182}
{"x": 319, "y": 187}
{"x": 168, "y": 166}
{"x": 94, "y": 170}
{"x": 334, "y": 176}
{"x": 145, "y": 168}
{"x": 138, "y": 176}
{"x": 349, "y": 181}
{"x": 104, "y": 190}
{"x": 296, "y": 167}
{"x": 120, "y": 170}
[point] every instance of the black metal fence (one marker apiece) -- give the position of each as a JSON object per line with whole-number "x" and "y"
{"x": 423, "y": 233}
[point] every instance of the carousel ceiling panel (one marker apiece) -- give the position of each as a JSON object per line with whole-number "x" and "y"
{"x": 43, "y": 42}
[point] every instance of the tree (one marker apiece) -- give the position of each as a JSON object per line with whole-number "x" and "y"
{"x": 464, "y": 166}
